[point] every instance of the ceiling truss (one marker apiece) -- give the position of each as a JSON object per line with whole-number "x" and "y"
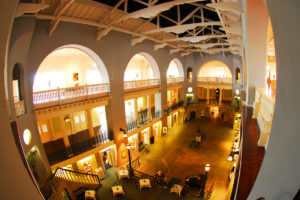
{"x": 184, "y": 32}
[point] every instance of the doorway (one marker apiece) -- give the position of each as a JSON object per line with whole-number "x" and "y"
{"x": 192, "y": 115}
{"x": 146, "y": 135}
{"x": 217, "y": 94}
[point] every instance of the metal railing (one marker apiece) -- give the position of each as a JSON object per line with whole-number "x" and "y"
{"x": 172, "y": 80}
{"x": 78, "y": 148}
{"x": 175, "y": 106}
{"x": 131, "y": 125}
{"x": 156, "y": 114}
{"x": 143, "y": 117}
{"x": 141, "y": 84}
{"x": 214, "y": 80}
{"x": 53, "y": 184}
{"x": 68, "y": 93}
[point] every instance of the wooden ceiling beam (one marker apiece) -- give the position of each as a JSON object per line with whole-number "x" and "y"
{"x": 57, "y": 13}
{"x": 97, "y": 24}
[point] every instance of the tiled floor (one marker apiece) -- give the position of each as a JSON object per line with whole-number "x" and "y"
{"x": 173, "y": 155}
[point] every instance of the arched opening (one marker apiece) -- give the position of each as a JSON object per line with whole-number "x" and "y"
{"x": 68, "y": 72}
{"x": 175, "y": 72}
{"x": 192, "y": 115}
{"x": 237, "y": 75}
{"x": 18, "y": 89}
{"x": 189, "y": 74}
{"x": 141, "y": 71}
{"x": 270, "y": 72}
{"x": 215, "y": 71}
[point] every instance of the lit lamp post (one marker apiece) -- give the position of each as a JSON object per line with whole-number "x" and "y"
{"x": 207, "y": 168}
{"x": 129, "y": 158}
{"x": 128, "y": 148}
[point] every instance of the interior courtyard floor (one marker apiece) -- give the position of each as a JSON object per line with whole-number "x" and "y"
{"x": 173, "y": 155}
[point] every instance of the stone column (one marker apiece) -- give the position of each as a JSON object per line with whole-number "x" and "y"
{"x": 64, "y": 131}
{"x": 221, "y": 96}
{"x": 207, "y": 95}
{"x": 90, "y": 123}
{"x": 136, "y": 112}
{"x": 99, "y": 160}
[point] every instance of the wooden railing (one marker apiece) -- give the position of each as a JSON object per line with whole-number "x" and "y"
{"x": 173, "y": 80}
{"x": 61, "y": 94}
{"x": 53, "y": 185}
{"x": 141, "y": 83}
{"x": 214, "y": 80}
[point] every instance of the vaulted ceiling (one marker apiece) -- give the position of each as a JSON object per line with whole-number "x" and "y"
{"x": 184, "y": 26}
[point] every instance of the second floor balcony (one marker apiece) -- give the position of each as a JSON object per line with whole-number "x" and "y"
{"x": 174, "y": 80}
{"x": 141, "y": 84}
{"x": 60, "y": 152}
{"x": 67, "y": 95}
{"x": 214, "y": 81}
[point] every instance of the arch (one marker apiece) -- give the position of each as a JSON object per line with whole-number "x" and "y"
{"x": 214, "y": 68}
{"x": 148, "y": 60}
{"x": 189, "y": 73}
{"x": 96, "y": 58}
{"x": 178, "y": 65}
{"x": 85, "y": 55}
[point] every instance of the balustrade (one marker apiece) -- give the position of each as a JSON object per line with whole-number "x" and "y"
{"x": 214, "y": 80}
{"x": 68, "y": 93}
{"x": 172, "y": 80}
{"x": 141, "y": 83}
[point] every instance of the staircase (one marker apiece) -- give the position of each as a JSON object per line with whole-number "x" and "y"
{"x": 69, "y": 180}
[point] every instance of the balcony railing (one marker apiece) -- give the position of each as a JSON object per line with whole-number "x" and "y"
{"x": 173, "y": 80}
{"x": 156, "y": 114}
{"x": 175, "y": 106}
{"x": 141, "y": 84}
{"x": 131, "y": 125}
{"x": 61, "y": 177}
{"x": 78, "y": 148}
{"x": 61, "y": 94}
{"x": 214, "y": 81}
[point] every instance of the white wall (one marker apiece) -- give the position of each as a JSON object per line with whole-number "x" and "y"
{"x": 15, "y": 181}
{"x": 256, "y": 49}
{"x": 279, "y": 177}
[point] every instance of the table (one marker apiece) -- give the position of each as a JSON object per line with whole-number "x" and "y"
{"x": 144, "y": 183}
{"x": 176, "y": 189}
{"x": 123, "y": 173}
{"x": 117, "y": 190}
{"x": 90, "y": 195}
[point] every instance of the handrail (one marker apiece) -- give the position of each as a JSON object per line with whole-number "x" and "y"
{"x": 58, "y": 94}
{"x": 172, "y": 80}
{"x": 60, "y": 175}
{"x": 214, "y": 80}
{"x": 78, "y": 148}
{"x": 141, "y": 83}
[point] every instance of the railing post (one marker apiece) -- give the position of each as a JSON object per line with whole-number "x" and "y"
{"x": 58, "y": 94}
{"x": 86, "y": 90}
